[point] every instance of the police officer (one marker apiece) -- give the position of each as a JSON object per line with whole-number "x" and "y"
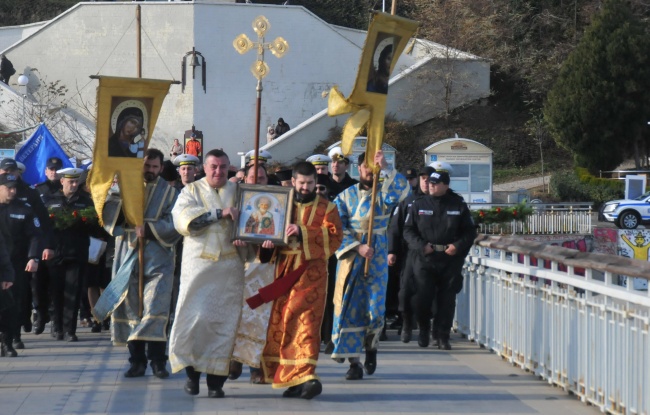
{"x": 52, "y": 184}
{"x": 23, "y": 226}
{"x": 439, "y": 228}
{"x": 71, "y": 255}
{"x": 27, "y": 194}
{"x": 400, "y": 258}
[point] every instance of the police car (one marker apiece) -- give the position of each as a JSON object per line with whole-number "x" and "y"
{"x": 627, "y": 213}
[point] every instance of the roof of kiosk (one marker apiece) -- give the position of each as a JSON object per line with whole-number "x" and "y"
{"x": 458, "y": 144}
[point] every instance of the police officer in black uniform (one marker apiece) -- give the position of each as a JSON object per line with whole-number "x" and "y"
{"x": 440, "y": 230}
{"x": 27, "y": 194}
{"x": 71, "y": 254}
{"x": 23, "y": 227}
{"x": 40, "y": 281}
{"x": 400, "y": 258}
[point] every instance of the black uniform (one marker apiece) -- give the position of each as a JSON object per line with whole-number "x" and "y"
{"x": 344, "y": 184}
{"x": 40, "y": 280}
{"x": 67, "y": 267}
{"x": 438, "y": 221}
{"x": 24, "y": 228}
{"x": 400, "y": 278}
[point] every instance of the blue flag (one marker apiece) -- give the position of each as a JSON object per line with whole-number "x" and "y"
{"x": 34, "y": 154}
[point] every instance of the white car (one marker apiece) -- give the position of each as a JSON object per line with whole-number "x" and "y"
{"x": 627, "y": 213}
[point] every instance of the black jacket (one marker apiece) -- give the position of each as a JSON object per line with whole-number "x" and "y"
{"x": 440, "y": 220}
{"x": 6, "y": 269}
{"x": 24, "y": 229}
{"x": 71, "y": 244}
{"x": 340, "y": 187}
{"x": 396, "y": 243}
{"x": 29, "y": 195}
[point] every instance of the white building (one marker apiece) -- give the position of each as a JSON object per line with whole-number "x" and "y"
{"x": 100, "y": 38}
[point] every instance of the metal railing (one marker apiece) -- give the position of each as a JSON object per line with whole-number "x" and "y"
{"x": 547, "y": 219}
{"x": 567, "y": 320}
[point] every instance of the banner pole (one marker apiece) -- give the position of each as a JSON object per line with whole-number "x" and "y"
{"x": 140, "y": 238}
{"x": 371, "y": 219}
{"x": 257, "y": 128}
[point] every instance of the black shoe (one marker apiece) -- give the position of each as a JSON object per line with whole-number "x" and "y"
{"x": 423, "y": 338}
{"x": 257, "y": 376}
{"x": 396, "y": 324}
{"x": 8, "y": 350}
{"x": 27, "y": 327}
{"x": 39, "y": 326}
{"x": 355, "y": 372}
{"x": 329, "y": 348}
{"x": 293, "y": 392}
{"x": 216, "y": 393}
{"x": 70, "y": 337}
{"x": 235, "y": 370}
{"x": 311, "y": 388}
{"x": 18, "y": 344}
{"x": 136, "y": 370}
{"x": 406, "y": 335}
{"x": 106, "y": 325}
{"x": 159, "y": 369}
{"x": 191, "y": 387}
{"x": 370, "y": 365}
{"x": 59, "y": 335}
{"x": 443, "y": 342}
{"x": 96, "y": 327}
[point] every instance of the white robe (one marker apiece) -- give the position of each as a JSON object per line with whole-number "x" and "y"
{"x": 212, "y": 282}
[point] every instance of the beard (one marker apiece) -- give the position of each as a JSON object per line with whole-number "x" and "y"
{"x": 304, "y": 197}
{"x": 150, "y": 177}
{"x": 366, "y": 183}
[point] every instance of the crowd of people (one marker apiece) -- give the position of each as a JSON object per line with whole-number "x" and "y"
{"x": 212, "y": 305}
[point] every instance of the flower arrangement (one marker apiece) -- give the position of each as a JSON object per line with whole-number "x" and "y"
{"x": 66, "y": 218}
{"x": 502, "y": 214}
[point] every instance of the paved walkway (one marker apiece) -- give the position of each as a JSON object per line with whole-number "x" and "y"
{"x": 51, "y": 377}
{"x": 529, "y": 183}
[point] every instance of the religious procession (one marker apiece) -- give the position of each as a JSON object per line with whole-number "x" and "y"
{"x": 298, "y": 261}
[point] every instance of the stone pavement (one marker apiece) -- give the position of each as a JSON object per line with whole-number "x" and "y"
{"x": 53, "y": 377}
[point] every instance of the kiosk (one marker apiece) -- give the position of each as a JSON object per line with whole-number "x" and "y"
{"x": 358, "y": 147}
{"x": 472, "y": 164}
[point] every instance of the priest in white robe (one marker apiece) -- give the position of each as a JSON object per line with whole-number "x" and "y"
{"x": 212, "y": 278}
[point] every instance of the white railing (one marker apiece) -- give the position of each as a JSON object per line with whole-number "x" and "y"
{"x": 547, "y": 219}
{"x": 567, "y": 320}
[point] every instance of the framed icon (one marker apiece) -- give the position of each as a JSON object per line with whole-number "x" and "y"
{"x": 264, "y": 213}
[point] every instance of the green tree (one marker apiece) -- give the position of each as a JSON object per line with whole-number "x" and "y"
{"x": 599, "y": 105}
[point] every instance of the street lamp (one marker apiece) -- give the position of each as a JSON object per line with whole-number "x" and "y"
{"x": 23, "y": 80}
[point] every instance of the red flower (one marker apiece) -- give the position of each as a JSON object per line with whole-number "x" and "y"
{"x": 51, "y": 215}
{"x": 514, "y": 212}
{"x": 83, "y": 218}
{"x": 498, "y": 210}
{"x": 481, "y": 213}
{"x": 75, "y": 213}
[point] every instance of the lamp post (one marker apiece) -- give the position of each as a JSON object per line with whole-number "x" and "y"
{"x": 23, "y": 80}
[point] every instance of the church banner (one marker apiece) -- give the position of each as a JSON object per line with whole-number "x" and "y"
{"x": 127, "y": 111}
{"x": 387, "y": 37}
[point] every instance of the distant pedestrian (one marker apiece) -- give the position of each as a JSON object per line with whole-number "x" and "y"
{"x": 281, "y": 128}
{"x": 270, "y": 134}
{"x": 6, "y": 69}
{"x": 177, "y": 148}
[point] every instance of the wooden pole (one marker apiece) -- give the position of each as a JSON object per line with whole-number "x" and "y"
{"x": 140, "y": 239}
{"x": 393, "y": 7}
{"x": 371, "y": 219}
{"x": 257, "y": 128}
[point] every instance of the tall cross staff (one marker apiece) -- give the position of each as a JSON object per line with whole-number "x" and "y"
{"x": 260, "y": 69}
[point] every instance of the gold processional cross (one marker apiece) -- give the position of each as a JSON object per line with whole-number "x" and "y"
{"x": 260, "y": 69}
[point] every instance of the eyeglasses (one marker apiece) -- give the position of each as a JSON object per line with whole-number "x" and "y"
{"x": 321, "y": 188}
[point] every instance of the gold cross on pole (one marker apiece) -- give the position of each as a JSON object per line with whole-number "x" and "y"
{"x": 260, "y": 69}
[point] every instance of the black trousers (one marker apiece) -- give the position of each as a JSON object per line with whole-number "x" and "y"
{"x": 155, "y": 351}
{"x": 65, "y": 284}
{"x": 41, "y": 292}
{"x": 328, "y": 313}
{"x": 437, "y": 280}
{"x": 406, "y": 284}
{"x": 213, "y": 381}
{"x": 13, "y": 317}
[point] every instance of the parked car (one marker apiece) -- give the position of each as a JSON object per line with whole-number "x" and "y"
{"x": 627, "y": 213}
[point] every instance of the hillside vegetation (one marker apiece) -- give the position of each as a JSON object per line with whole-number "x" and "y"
{"x": 527, "y": 42}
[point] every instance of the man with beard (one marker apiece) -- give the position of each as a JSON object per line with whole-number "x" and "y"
{"x": 400, "y": 260}
{"x": 359, "y": 299}
{"x": 440, "y": 231}
{"x": 158, "y": 232}
{"x": 299, "y": 291}
{"x": 212, "y": 276}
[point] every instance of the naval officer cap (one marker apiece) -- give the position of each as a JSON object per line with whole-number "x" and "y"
{"x": 336, "y": 154}
{"x": 263, "y": 156}
{"x": 319, "y": 160}
{"x": 442, "y": 166}
{"x": 186, "y": 160}
{"x": 21, "y": 167}
{"x": 54, "y": 163}
{"x": 69, "y": 173}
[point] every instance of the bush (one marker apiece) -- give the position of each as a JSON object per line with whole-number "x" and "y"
{"x": 580, "y": 186}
